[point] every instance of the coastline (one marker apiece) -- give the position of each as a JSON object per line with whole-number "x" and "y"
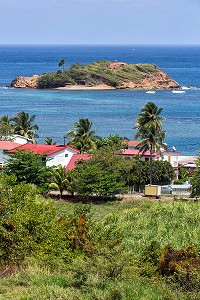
{"x": 83, "y": 87}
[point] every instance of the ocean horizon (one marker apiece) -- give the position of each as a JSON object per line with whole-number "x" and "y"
{"x": 112, "y": 111}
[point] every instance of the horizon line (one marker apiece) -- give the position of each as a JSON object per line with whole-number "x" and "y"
{"x": 100, "y": 44}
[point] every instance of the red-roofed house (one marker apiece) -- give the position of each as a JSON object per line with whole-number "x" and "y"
{"x": 170, "y": 155}
{"x": 55, "y": 154}
{"x": 76, "y": 158}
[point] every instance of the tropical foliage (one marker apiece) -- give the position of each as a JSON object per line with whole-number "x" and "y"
{"x": 149, "y": 130}
{"x": 59, "y": 180}
{"x": 81, "y": 136}
{"x": 27, "y": 167}
{"x": 112, "y": 141}
{"x": 96, "y": 73}
{"x": 49, "y": 141}
{"x": 119, "y": 250}
{"x": 6, "y": 128}
{"x": 195, "y": 191}
{"x": 23, "y": 125}
{"x": 62, "y": 63}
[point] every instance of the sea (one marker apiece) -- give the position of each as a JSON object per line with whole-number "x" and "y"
{"x": 111, "y": 111}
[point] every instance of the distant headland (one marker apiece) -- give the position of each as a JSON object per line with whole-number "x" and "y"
{"x": 100, "y": 75}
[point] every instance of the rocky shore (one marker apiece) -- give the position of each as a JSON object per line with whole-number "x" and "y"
{"x": 145, "y": 79}
{"x": 25, "y": 82}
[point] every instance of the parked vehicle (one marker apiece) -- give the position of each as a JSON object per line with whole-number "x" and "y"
{"x": 166, "y": 189}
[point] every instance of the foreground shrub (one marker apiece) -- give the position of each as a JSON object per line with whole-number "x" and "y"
{"x": 182, "y": 266}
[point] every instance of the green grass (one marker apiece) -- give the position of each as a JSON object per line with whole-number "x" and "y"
{"x": 115, "y": 273}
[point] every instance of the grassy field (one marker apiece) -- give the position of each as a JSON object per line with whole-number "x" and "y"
{"x": 123, "y": 257}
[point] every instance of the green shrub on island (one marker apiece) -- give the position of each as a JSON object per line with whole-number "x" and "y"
{"x": 96, "y": 73}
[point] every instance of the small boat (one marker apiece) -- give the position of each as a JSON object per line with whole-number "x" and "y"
{"x": 150, "y": 92}
{"x": 178, "y": 92}
{"x": 185, "y": 88}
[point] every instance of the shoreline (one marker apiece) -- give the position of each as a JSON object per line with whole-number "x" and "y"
{"x": 85, "y": 88}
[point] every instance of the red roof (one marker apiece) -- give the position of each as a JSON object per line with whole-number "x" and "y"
{"x": 7, "y": 145}
{"x": 42, "y": 149}
{"x": 134, "y": 152}
{"x": 129, "y": 152}
{"x": 133, "y": 143}
{"x": 75, "y": 158}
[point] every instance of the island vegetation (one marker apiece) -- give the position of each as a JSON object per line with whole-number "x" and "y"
{"x": 92, "y": 245}
{"x": 103, "y": 74}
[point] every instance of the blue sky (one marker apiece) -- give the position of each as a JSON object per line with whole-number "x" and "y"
{"x": 100, "y": 22}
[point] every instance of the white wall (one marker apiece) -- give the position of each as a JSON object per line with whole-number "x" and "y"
{"x": 21, "y": 140}
{"x": 60, "y": 158}
{"x": 172, "y": 158}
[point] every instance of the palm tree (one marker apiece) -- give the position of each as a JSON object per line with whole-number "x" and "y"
{"x": 82, "y": 137}
{"x": 149, "y": 126}
{"x": 62, "y": 63}
{"x": 23, "y": 125}
{"x": 60, "y": 180}
{"x": 6, "y": 128}
{"x": 49, "y": 141}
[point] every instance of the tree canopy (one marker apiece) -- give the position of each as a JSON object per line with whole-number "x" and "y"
{"x": 149, "y": 130}
{"x": 62, "y": 63}
{"x": 27, "y": 167}
{"x": 82, "y": 136}
{"x": 23, "y": 125}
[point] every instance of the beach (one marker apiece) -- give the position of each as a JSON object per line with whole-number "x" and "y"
{"x": 84, "y": 87}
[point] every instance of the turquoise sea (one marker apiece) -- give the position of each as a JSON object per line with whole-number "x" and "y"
{"x": 112, "y": 111}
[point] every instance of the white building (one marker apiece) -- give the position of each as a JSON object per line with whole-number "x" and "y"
{"x": 51, "y": 155}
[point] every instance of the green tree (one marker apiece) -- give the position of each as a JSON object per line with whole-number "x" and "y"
{"x": 82, "y": 137}
{"x": 114, "y": 141}
{"x": 195, "y": 190}
{"x": 29, "y": 225}
{"x": 6, "y": 128}
{"x": 27, "y": 167}
{"x": 93, "y": 179}
{"x": 49, "y": 141}
{"x": 149, "y": 130}
{"x": 59, "y": 180}
{"x": 183, "y": 173}
{"x": 100, "y": 175}
{"x": 62, "y": 63}
{"x": 23, "y": 125}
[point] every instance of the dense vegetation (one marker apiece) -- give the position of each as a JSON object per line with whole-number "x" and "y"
{"x": 119, "y": 250}
{"x": 115, "y": 250}
{"x": 96, "y": 73}
{"x": 21, "y": 124}
{"x": 103, "y": 175}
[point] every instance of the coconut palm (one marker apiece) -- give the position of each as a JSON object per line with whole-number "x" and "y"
{"x": 149, "y": 126}
{"x": 6, "y": 128}
{"x": 49, "y": 141}
{"x": 82, "y": 137}
{"x": 59, "y": 180}
{"x": 62, "y": 63}
{"x": 23, "y": 125}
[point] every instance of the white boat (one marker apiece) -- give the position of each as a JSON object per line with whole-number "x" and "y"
{"x": 178, "y": 92}
{"x": 150, "y": 92}
{"x": 185, "y": 88}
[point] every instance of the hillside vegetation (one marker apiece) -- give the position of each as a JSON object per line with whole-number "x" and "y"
{"x": 116, "y": 250}
{"x": 117, "y": 75}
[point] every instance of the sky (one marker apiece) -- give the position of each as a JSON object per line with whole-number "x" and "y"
{"x": 100, "y": 22}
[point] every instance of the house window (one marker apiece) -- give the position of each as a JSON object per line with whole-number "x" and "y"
{"x": 146, "y": 159}
{"x": 66, "y": 155}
